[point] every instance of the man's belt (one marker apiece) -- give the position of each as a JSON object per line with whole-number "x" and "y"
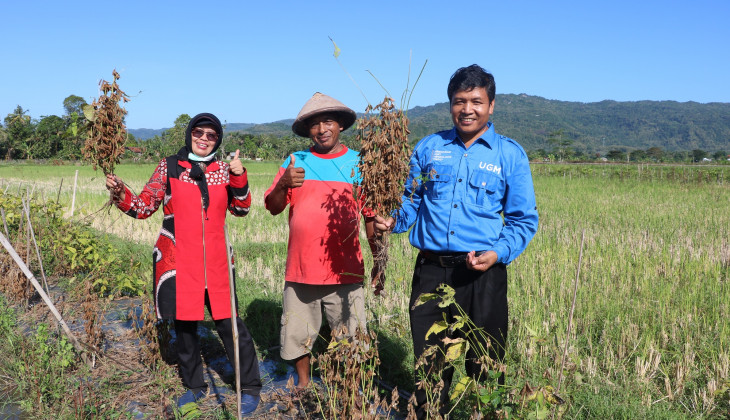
{"x": 445, "y": 260}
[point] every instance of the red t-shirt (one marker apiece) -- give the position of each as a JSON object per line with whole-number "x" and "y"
{"x": 324, "y": 219}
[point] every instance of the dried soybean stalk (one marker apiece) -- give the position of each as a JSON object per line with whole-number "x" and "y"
{"x": 384, "y": 157}
{"x": 107, "y": 132}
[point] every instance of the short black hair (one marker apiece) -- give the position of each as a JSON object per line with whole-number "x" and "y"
{"x": 468, "y": 78}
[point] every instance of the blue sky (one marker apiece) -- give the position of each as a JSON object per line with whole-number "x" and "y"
{"x": 261, "y": 61}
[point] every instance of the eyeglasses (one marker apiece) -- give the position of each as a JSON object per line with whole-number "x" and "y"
{"x": 198, "y": 133}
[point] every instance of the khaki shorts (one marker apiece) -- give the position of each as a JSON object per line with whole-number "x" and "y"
{"x": 344, "y": 305}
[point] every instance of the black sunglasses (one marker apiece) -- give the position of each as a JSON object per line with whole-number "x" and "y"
{"x": 198, "y": 133}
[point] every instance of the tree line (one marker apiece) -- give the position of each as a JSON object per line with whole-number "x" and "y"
{"x": 63, "y": 137}
{"x": 562, "y": 149}
{"x": 251, "y": 146}
{"x": 51, "y": 137}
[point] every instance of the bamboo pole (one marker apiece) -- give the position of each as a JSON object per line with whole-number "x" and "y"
{"x": 44, "y": 296}
{"x": 234, "y": 323}
{"x": 572, "y": 310}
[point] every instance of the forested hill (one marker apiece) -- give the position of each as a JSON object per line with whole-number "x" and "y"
{"x": 595, "y": 126}
{"x": 598, "y": 125}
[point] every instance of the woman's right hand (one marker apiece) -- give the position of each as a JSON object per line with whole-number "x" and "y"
{"x": 115, "y": 186}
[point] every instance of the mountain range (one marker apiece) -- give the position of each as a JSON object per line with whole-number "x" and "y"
{"x": 592, "y": 126}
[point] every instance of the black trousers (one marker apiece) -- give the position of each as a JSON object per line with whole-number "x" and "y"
{"x": 482, "y": 296}
{"x": 191, "y": 363}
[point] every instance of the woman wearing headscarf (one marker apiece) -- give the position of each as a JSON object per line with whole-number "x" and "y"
{"x": 190, "y": 266}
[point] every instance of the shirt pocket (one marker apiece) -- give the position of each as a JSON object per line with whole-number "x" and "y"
{"x": 439, "y": 182}
{"x": 485, "y": 188}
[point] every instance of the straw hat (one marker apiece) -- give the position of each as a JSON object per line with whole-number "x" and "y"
{"x": 319, "y": 104}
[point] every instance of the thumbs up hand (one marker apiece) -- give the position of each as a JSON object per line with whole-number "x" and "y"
{"x": 292, "y": 177}
{"x": 235, "y": 166}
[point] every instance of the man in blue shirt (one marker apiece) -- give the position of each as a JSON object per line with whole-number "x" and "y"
{"x": 470, "y": 202}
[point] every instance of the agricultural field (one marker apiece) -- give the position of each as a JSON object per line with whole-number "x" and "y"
{"x": 648, "y": 338}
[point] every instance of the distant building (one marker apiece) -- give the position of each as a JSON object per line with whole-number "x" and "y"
{"x": 136, "y": 152}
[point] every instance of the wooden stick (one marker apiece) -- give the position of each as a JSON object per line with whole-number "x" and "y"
{"x": 58, "y": 196}
{"x": 73, "y": 197}
{"x": 234, "y": 323}
{"x": 26, "y": 208}
{"x": 20, "y": 225}
{"x": 27, "y": 229}
{"x": 5, "y": 223}
{"x": 572, "y": 310}
{"x": 46, "y": 299}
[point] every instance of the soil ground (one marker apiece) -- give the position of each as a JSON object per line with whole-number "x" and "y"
{"x": 121, "y": 353}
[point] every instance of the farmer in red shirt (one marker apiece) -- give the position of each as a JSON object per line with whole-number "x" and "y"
{"x": 324, "y": 264}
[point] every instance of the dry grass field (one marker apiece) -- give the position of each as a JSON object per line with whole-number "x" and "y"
{"x": 649, "y": 338}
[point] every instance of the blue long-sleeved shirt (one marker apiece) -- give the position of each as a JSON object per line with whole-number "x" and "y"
{"x": 455, "y": 197}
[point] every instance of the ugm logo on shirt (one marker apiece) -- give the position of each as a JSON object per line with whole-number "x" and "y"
{"x": 490, "y": 167}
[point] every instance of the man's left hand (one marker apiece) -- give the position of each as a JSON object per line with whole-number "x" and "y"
{"x": 235, "y": 166}
{"x": 480, "y": 262}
